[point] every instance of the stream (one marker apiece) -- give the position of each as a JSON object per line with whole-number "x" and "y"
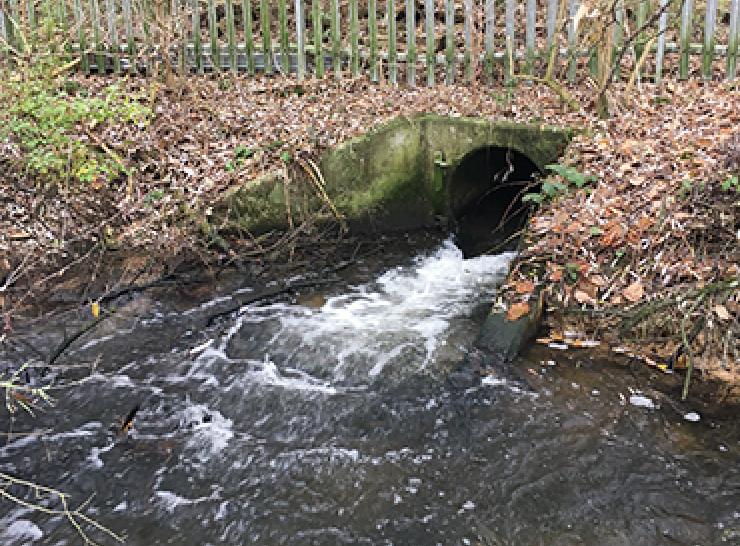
{"x": 345, "y": 416}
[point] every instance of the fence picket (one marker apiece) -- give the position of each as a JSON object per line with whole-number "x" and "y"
{"x": 660, "y": 52}
{"x": 489, "y": 38}
{"x": 6, "y": 33}
{"x": 318, "y": 50}
{"x": 372, "y": 25}
{"x": 101, "y": 43}
{"x": 687, "y": 17}
{"x": 411, "y": 42}
{"x": 572, "y": 52}
{"x": 248, "y": 36}
{"x": 115, "y": 47}
{"x": 710, "y": 20}
{"x": 510, "y": 13}
{"x": 392, "y": 42}
{"x": 31, "y": 14}
{"x": 640, "y": 19}
{"x": 550, "y": 22}
{"x": 468, "y": 33}
{"x": 178, "y": 13}
{"x": 266, "y": 36}
{"x": 129, "y": 29}
{"x": 300, "y": 31}
{"x": 144, "y": 15}
{"x": 215, "y": 49}
{"x": 15, "y": 13}
{"x": 3, "y": 28}
{"x": 619, "y": 16}
{"x": 79, "y": 16}
{"x": 531, "y": 34}
{"x": 63, "y": 15}
{"x": 431, "y": 54}
{"x": 231, "y": 35}
{"x": 284, "y": 45}
{"x": 733, "y": 39}
{"x": 336, "y": 39}
{"x": 354, "y": 38}
{"x": 450, "y": 41}
{"x": 197, "y": 45}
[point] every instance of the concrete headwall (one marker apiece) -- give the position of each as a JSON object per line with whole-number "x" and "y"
{"x": 394, "y": 176}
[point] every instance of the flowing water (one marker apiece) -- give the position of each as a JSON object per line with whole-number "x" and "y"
{"x": 346, "y": 418}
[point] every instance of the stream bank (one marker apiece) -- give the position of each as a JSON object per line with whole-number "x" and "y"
{"x": 359, "y": 413}
{"x": 663, "y": 155}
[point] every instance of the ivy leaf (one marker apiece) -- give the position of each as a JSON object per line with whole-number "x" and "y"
{"x": 532, "y": 198}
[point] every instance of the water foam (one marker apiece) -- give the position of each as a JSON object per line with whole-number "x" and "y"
{"x": 401, "y": 318}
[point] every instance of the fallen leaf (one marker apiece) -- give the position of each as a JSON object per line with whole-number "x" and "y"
{"x": 15, "y": 234}
{"x": 613, "y": 235}
{"x": 721, "y": 312}
{"x": 634, "y": 292}
{"x": 556, "y": 275}
{"x": 583, "y": 297}
{"x": 517, "y": 311}
{"x": 524, "y": 287}
{"x": 598, "y": 280}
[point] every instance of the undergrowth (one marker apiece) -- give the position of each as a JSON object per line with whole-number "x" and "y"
{"x": 51, "y": 122}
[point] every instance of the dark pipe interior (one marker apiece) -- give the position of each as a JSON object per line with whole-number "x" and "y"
{"x": 485, "y": 196}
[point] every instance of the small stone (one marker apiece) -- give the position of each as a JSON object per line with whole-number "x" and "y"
{"x": 642, "y": 401}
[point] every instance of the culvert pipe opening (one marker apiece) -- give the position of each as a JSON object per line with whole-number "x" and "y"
{"x": 485, "y": 194}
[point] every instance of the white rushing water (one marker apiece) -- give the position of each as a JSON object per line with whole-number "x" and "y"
{"x": 402, "y": 318}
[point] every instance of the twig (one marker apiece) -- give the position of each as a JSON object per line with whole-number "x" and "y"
{"x": 638, "y": 67}
{"x": 64, "y": 345}
{"x": 73, "y": 515}
{"x": 566, "y": 97}
{"x": 318, "y": 180}
{"x": 686, "y": 340}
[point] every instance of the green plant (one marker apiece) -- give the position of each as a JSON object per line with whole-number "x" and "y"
{"x": 572, "y": 270}
{"x": 52, "y": 120}
{"x": 571, "y": 175}
{"x": 241, "y": 154}
{"x": 553, "y": 187}
{"x": 731, "y": 183}
{"x": 153, "y": 196}
{"x": 503, "y": 98}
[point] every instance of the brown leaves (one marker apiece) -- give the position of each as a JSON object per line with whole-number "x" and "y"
{"x": 613, "y": 235}
{"x": 517, "y": 310}
{"x": 583, "y": 297}
{"x": 722, "y": 312}
{"x": 634, "y": 292}
{"x": 524, "y": 287}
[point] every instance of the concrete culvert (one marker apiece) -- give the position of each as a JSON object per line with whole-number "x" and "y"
{"x": 485, "y": 193}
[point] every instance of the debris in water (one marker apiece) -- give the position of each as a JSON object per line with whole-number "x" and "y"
{"x": 202, "y": 347}
{"x": 692, "y": 416}
{"x": 642, "y": 401}
{"x": 128, "y": 422}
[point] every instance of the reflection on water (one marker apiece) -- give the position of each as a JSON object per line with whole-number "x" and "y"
{"x": 337, "y": 422}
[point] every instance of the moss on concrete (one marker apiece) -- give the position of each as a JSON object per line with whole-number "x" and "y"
{"x": 394, "y": 177}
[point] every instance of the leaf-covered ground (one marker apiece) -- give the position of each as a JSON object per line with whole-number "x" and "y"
{"x": 640, "y": 255}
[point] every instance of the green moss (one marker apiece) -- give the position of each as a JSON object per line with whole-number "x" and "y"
{"x": 395, "y": 176}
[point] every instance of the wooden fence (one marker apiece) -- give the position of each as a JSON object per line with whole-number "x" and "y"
{"x": 390, "y": 40}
